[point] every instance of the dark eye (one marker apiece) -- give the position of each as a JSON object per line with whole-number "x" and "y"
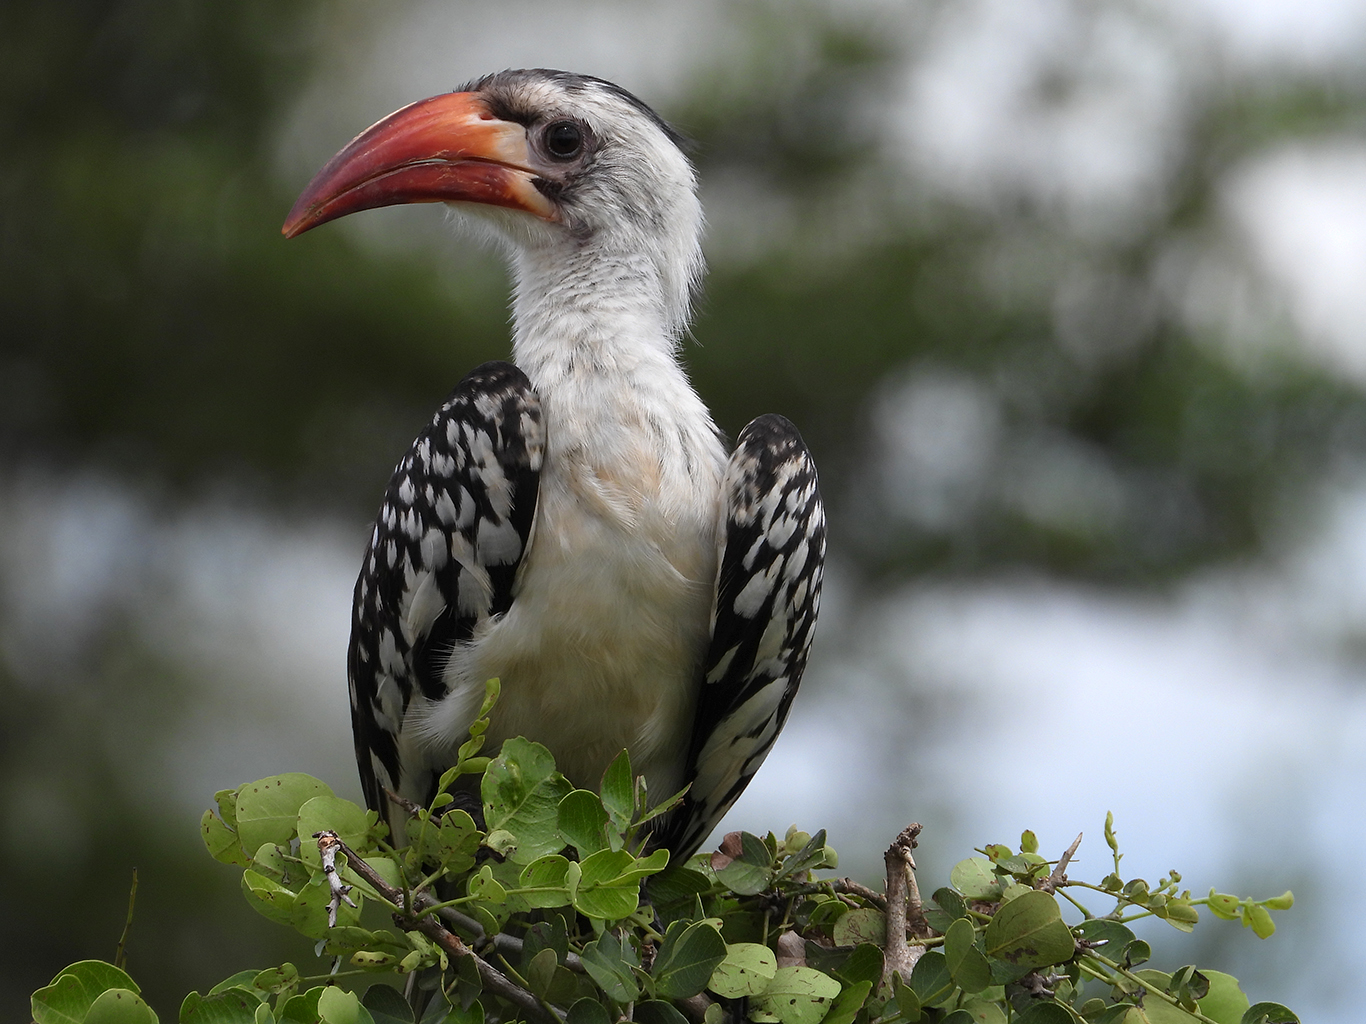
{"x": 564, "y": 139}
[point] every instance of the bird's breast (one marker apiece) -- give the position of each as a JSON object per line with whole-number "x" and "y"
{"x": 602, "y": 646}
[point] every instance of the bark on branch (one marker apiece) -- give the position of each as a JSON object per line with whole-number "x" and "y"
{"x": 903, "y": 907}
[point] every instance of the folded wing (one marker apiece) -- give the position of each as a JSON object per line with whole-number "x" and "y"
{"x": 767, "y": 597}
{"x": 454, "y": 527}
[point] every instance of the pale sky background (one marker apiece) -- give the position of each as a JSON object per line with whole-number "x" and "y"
{"x": 1236, "y": 703}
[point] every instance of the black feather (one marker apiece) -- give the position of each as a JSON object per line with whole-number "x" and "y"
{"x": 489, "y": 431}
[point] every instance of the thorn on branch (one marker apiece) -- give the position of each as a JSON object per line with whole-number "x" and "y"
{"x": 1058, "y": 876}
{"x": 329, "y": 845}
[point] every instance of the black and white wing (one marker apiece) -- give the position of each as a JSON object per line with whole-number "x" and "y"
{"x": 767, "y": 596}
{"x": 455, "y": 523}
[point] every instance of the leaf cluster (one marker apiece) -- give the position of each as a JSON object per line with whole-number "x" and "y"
{"x": 554, "y": 909}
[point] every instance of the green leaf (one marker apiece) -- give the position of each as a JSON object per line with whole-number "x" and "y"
{"x": 746, "y": 970}
{"x": 267, "y": 810}
{"x": 810, "y": 855}
{"x": 748, "y": 870}
{"x": 483, "y": 885}
{"x": 72, "y": 992}
{"x": 469, "y": 984}
{"x": 608, "y": 902}
{"x": 1136, "y": 952}
{"x": 522, "y": 792}
{"x": 985, "y": 1011}
{"x": 450, "y": 839}
{"x": 124, "y": 1006}
{"x": 827, "y": 913}
{"x": 268, "y": 897}
{"x": 1284, "y": 901}
{"x": 976, "y": 879}
{"x": 967, "y": 966}
{"x": 951, "y": 902}
{"x": 232, "y": 1005}
{"x": 588, "y": 1011}
{"x": 1179, "y": 913}
{"x": 848, "y": 1003}
{"x": 338, "y": 1007}
{"x": 242, "y": 979}
{"x": 546, "y": 873}
{"x": 1225, "y": 1002}
{"x": 221, "y": 841}
{"x": 1110, "y": 937}
{"x": 610, "y": 965}
{"x": 501, "y": 841}
{"x": 583, "y": 821}
{"x": 798, "y": 995}
{"x": 864, "y": 924}
{"x": 676, "y": 884}
{"x": 1224, "y": 906}
{"x": 657, "y": 1011}
{"x": 1029, "y": 932}
{"x": 440, "y": 1011}
{"x": 329, "y": 812}
{"x": 226, "y": 800}
{"x": 1029, "y": 842}
{"x": 618, "y": 791}
{"x": 686, "y": 959}
{"x": 540, "y": 972}
{"x": 387, "y": 1006}
{"x": 863, "y": 964}
{"x": 269, "y": 862}
{"x": 1268, "y": 1013}
{"x": 302, "y": 1008}
{"x": 65, "y": 1001}
{"x": 552, "y": 934}
{"x": 308, "y": 912}
{"x": 1159, "y": 1011}
{"x": 1044, "y": 1011}
{"x": 609, "y": 883}
{"x": 930, "y": 979}
{"x": 1259, "y": 919}
{"x": 1189, "y": 985}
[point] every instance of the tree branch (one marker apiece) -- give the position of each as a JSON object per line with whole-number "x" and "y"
{"x": 1059, "y": 874}
{"x": 415, "y": 919}
{"x": 903, "y": 907}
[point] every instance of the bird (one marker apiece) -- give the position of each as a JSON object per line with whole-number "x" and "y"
{"x": 571, "y": 522}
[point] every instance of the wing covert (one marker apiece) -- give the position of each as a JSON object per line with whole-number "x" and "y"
{"x": 443, "y": 556}
{"x": 767, "y": 596}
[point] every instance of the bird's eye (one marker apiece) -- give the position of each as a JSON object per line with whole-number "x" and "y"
{"x": 564, "y": 139}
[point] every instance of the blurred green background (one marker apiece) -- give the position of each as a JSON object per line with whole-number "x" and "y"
{"x": 1067, "y": 299}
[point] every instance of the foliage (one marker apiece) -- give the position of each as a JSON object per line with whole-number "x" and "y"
{"x": 556, "y": 910}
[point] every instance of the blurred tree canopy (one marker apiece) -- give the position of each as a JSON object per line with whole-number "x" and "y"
{"x": 156, "y": 326}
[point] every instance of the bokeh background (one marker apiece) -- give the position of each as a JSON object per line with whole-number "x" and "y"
{"x": 1068, "y": 298}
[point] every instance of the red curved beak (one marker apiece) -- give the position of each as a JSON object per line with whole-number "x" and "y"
{"x": 445, "y": 149}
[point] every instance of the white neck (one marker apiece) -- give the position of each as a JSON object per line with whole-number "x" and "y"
{"x": 585, "y": 310}
{"x": 597, "y": 335}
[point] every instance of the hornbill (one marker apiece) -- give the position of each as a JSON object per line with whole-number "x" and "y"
{"x": 572, "y": 524}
